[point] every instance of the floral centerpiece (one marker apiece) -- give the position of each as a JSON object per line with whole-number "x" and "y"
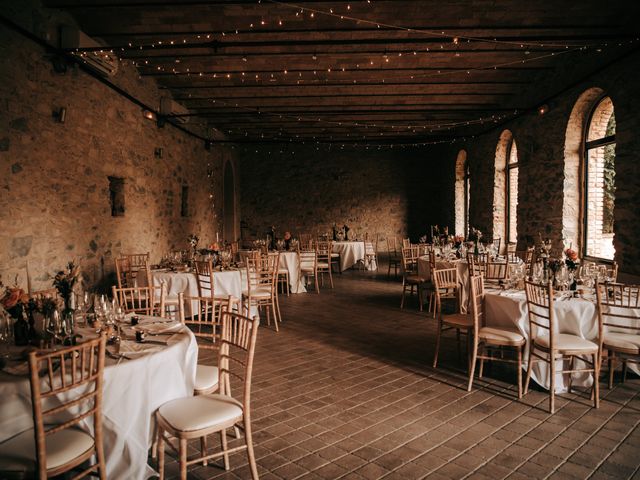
{"x": 64, "y": 281}
{"x": 14, "y": 300}
{"x": 476, "y": 236}
{"x": 193, "y": 242}
{"x": 571, "y": 259}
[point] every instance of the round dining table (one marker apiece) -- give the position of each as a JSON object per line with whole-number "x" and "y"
{"x": 351, "y": 253}
{"x": 133, "y": 389}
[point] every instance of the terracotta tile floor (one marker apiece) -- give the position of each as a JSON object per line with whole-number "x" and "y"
{"x": 346, "y": 390}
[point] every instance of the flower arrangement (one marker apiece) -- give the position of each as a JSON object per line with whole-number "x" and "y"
{"x": 545, "y": 246}
{"x": 14, "y": 299}
{"x": 193, "y": 240}
{"x": 476, "y": 235}
{"x": 65, "y": 280}
{"x": 571, "y": 259}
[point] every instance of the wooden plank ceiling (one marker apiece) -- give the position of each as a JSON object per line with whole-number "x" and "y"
{"x": 378, "y": 71}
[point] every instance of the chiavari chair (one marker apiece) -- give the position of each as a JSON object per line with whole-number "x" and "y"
{"x": 198, "y": 416}
{"x": 410, "y": 277}
{"x": 489, "y": 340}
{"x": 261, "y": 289}
{"x": 619, "y": 324}
{"x": 71, "y": 388}
{"x": 370, "y": 254}
{"x": 547, "y": 345}
{"x": 138, "y": 300}
{"x": 323, "y": 264}
{"x": 308, "y": 261}
{"x": 394, "y": 257}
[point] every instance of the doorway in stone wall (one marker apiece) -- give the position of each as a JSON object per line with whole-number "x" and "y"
{"x": 229, "y": 205}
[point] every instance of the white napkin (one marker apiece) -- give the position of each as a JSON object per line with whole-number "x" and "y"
{"x": 159, "y": 328}
{"x": 130, "y": 347}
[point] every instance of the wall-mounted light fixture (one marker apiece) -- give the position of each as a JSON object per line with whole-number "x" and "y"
{"x": 60, "y": 115}
{"x": 148, "y": 114}
{"x": 542, "y": 109}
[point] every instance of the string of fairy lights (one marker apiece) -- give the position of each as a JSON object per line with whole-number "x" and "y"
{"x": 338, "y": 73}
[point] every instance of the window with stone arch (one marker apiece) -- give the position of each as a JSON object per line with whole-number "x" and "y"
{"x": 505, "y": 190}
{"x": 599, "y": 180}
{"x": 462, "y": 190}
{"x": 589, "y": 181}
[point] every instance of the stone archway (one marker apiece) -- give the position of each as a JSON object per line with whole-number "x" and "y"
{"x": 230, "y": 231}
{"x": 500, "y": 185}
{"x": 573, "y": 153}
{"x": 461, "y": 213}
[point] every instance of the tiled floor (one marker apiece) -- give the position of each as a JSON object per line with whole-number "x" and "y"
{"x": 346, "y": 390}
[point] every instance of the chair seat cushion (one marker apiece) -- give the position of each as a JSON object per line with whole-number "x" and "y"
{"x": 18, "y": 454}
{"x": 622, "y": 341}
{"x": 283, "y": 271}
{"x": 335, "y": 255}
{"x": 200, "y": 412}
{"x": 568, "y": 342}
{"x": 260, "y": 292}
{"x": 323, "y": 265}
{"x": 500, "y": 336}
{"x": 458, "y": 319}
{"x": 206, "y": 377}
{"x": 414, "y": 279}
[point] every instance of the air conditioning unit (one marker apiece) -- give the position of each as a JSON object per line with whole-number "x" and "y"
{"x": 100, "y": 60}
{"x": 173, "y": 110}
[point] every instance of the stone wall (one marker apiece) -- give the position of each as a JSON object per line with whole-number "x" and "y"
{"x": 55, "y": 202}
{"x": 393, "y": 192}
{"x": 549, "y": 148}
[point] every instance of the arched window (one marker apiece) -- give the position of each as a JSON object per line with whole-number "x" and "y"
{"x": 511, "y": 210}
{"x": 505, "y": 189}
{"x": 599, "y": 181}
{"x": 462, "y": 194}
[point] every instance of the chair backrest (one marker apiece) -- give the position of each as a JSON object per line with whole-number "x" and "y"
{"x": 369, "y": 248}
{"x": 124, "y": 273}
{"x": 205, "y": 319}
{"x": 476, "y": 300}
{"x": 138, "y": 300}
{"x": 324, "y": 251}
{"x": 477, "y": 263}
{"x": 392, "y": 246}
{"x": 496, "y": 271}
{"x": 306, "y": 241}
{"x": 137, "y": 260}
{"x": 445, "y": 282}
{"x": 308, "y": 260}
{"x": 406, "y": 243}
{"x": 73, "y": 385}
{"x": 259, "y": 278}
{"x": 540, "y": 308}
{"x": 236, "y": 353}
{"x": 410, "y": 259}
{"x": 204, "y": 277}
{"x": 618, "y": 307}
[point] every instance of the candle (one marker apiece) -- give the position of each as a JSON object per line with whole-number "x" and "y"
{"x": 28, "y": 280}
{"x": 217, "y": 237}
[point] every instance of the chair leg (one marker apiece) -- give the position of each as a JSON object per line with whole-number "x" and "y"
{"x": 612, "y": 365}
{"x": 225, "y": 447}
{"x": 419, "y": 296}
{"x": 183, "y": 458}
{"x": 330, "y": 278}
{"x": 472, "y": 366}
{"x": 571, "y": 366}
{"x": 203, "y": 449}
{"x": 529, "y": 367}
{"x": 624, "y": 371}
{"x": 402, "y": 299}
{"x": 596, "y": 381}
{"x": 435, "y": 357}
{"x": 160, "y": 446}
{"x": 482, "y": 354}
{"x": 552, "y": 382}
{"x": 250, "y": 453}
{"x": 275, "y": 312}
{"x": 520, "y": 351}
{"x": 315, "y": 280}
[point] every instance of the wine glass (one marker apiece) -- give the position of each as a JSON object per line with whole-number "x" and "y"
{"x": 6, "y": 332}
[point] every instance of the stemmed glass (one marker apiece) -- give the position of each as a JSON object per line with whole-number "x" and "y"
{"x": 6, "y": 332}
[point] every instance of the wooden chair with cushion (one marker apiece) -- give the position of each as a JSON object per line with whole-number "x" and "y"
{"x": 261, "y": 290}
{"x": 619, "y": 323}
{"x": 201, "y": 415}
{"x": 308, "y": 261}
{"x": 65, "y": 383}
{"x": 128, "y": 266}
{"x": 324, "y": 260}
{"x": 489, "y": 340}
{"x": 370, "y": 254}
{"x": 410, "y": 276}
{"x": 445, "y": 282}
{"x": 547, "y": 345}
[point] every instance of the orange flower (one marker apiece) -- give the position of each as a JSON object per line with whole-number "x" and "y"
{"x": 571, "y": 254}
{"x": 13, "y": 297}
{"x": 214, "y": 246}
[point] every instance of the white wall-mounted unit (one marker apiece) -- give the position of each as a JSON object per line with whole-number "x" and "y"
{"x": 100, "y": 60}
{"x": 173, "y": 110}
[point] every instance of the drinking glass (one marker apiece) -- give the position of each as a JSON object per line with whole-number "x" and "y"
{"x": 6, "y": 332}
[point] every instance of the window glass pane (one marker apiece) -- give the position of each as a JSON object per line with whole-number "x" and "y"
{"x": 600, "y": 201}
{"x": 602, "y": 122}
{"x": 513, "y": 204}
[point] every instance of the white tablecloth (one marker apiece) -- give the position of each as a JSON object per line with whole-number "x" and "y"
{"x": 576, "y": 316}
{"x": 291, "y": 262}
{"x": 133, "y": 391}
{"x": 350, "y": 254}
